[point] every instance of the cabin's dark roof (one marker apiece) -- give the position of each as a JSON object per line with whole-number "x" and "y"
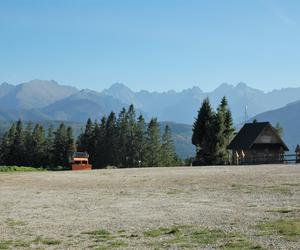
{"x": 248, "y": 134}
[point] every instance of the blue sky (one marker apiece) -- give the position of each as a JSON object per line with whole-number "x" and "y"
{"x": 154, "y": 45}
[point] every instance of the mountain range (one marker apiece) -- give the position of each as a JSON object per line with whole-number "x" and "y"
{"x": 40, "y": 100}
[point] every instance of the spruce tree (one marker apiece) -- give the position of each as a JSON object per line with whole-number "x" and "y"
{"x": 8, "y": 146}
{"x": 229, "y": 132}
{"x": 218, "y": 144}
{"x": 140, "y": 141}
{"x": 63, "y": 145}
{"x": 122, "y": 138}
{"x": 49, "y": 148}
{"x": 86, "y": 141}
{"x": 70, "y": 145}
{"x": 202, "y": 132}
{"x": 153, "y": 144}
{"x": 110, "y": 141}
{"x": 38, "y": 145}
{"x": 100, "y": 144}
{"x": 18, "y": 146}
{"x": 5, "y": 149}
{"x": 212, "y": 132}
{"x": 167, "y": 148}
{"x": 29, "y": 153}
{"x": 131, "y": 145}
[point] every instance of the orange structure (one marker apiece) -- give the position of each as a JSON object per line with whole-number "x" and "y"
{"x": 80, "y": 161}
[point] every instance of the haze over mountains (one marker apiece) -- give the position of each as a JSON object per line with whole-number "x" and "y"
{"x": 40, "y": 100}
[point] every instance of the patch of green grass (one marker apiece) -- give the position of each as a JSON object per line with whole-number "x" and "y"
{"x": 111, "y": 244}
{"x": 174, "y": 192}
{"x": 278, "y": 189}
{"x": 161, "y": 231}
{"x": 247, "y": 189}
{"x": 50, "y": 241}
{"x": 5, "y": 244}
{"x": 118, "y": 243}
{"x": 19, "y": 169}
{"x": 187, "y": 237}
{"x": 101, "y": 232}
{"x": 101, "y": 248}
{"x": 284, "y": 210}
{"x": 21, "y": 243}
{"x": 238, "y": 241}
{"x": 290, "y": 229}
{"x": 13, "y": 223}
{"x": 252, "y": 205}
{"x": 174, "y": 237}
{"x": 100, "y": 235}
{"x": 206, "y": 236}
{"x": 46, "y": 241}
{"x": 236, "y": 186}
{"x": 121, "y": 231}
{"x": 292, "y": 184}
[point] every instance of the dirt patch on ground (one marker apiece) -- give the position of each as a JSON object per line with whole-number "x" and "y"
{"x": 249, "y": 207}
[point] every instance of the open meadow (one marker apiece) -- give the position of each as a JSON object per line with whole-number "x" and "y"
{"x": 245, "y": 207}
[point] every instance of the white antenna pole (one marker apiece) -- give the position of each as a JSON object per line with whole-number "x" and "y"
{"x": 246, "y": 113}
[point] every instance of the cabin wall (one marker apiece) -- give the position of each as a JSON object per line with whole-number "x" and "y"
{"x": 257, "y": 156}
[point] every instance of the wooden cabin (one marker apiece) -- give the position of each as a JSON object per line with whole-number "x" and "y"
{"x": 257, "y": 143}
{"x": 80, "y": 161}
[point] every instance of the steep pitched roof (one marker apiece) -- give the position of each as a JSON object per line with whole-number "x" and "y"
{"x": 248, "y": 134}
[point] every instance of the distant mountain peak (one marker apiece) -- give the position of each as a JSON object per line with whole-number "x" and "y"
{"x": 121, "y": 92}
{"x": 34, "y": 94}
{"x": 224, "y": 86}
{"x": 241, "y": 85}
{"x": 6, "y": 84}
{"x": 87, "y": 92}
{"x": 119, "y": 86}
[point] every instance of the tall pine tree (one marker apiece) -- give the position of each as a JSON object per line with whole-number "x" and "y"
{"x": 110, "y": 140}
{"x": 212, "y": 132}
{"x": 86, "y": 141}
{"x": 131, "y": 144}
{"x": 63, "y": 146}
{"x": 140, "y": 141}
{"x": 168, "y": 156}
{"x": 100, "y": 148}
{"x": 123, "y": 137}
{"x": 153, "y": 144}
{"x": 202, "y": 130}
{"x": 38, "y": 145}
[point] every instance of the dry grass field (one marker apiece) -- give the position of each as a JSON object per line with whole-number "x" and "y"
{"x": 249, "y": 207}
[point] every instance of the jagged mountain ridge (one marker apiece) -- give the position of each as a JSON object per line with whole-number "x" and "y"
{"x": 182, "y": 106}
{"x": 40, "y": 99}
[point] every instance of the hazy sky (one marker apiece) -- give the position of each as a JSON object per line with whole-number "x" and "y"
{"x": 151, "y": 44}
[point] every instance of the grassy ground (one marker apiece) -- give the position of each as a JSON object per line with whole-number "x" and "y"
{"x": 19, "y": 169}
{"x": 255, "y": 207}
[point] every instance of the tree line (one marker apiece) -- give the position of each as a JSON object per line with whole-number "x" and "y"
{"x": 127, "y": 141}
{"x": 33, "y": 146}
{"x": 123, "y": 141}
{"x": 212, "y": 133}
